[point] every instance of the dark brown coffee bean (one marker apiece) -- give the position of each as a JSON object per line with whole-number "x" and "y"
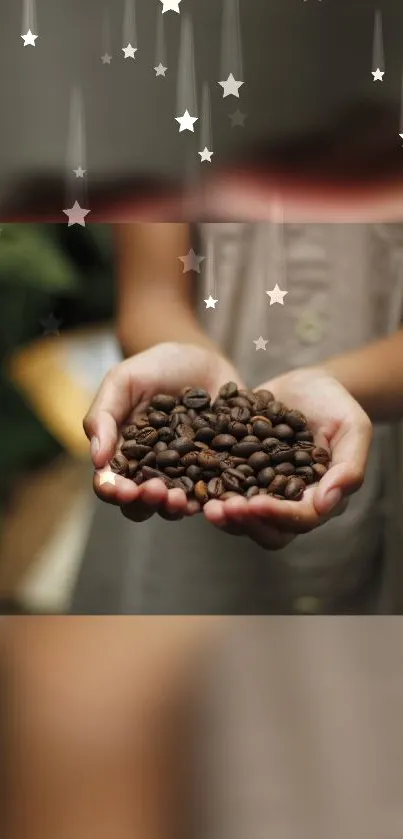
{"x": 265, "y": 396}
{"x": 150, "y": 459}
{"x": 209, "y": 460}
{"x": 320, "y": 455}
{"x": 135, "y": 451}
{"x": 184, "y": 430}
{"x": 246, "y": 470}
{"x": 179, "y": 409}
{"x": 182, "y": 445}
{"x": 141, "y": 420}
{"x": 233, "y": 480}
{"x": 275, "y": 411}
{"x": 228, "y": 391}
{"x": 160, "y": 446}
{"x": 303, "y": 445}
{"x": 186, "y": 485}
{"x": 223, "y": 442}
{"x": 305, "y": 436}
{"x": 228, "y": 495}
{"x": 219, "y": 405}
{"x": 190, "y": 459}
{"x": 209, "y": 417}
{"x": 133, "y": 468}
{"x": 278, "y": 485}
{"x": 215, "y": 488}
{"x": 240, "y": 414}
{"x": 148, "y": 473}
{"x": 222, "y": 423}
{"x": 147, "y": 436}
{"x": 252, "y": 491}
{"x": 237, "y": 429}
{"x": 163, "y": 402}
{"x": 201, "y": 447}
{"x": 248, "y": 395}
{"x": 249, "y": 482}
{"x": 269, "y": 445}
{"x": 194, "y": 473}
{"x": 179, "y": 419}
{"x": 286, "y": 469}
{"x": 306, "y": 473}
{"x": 296, "y": 420}
{"x": 319, "y": 470}
{"x": 129, "y": 432}
{"x": 199, "y": 423}
{"x": 283, "y": 432}
{"x": 266, "y": 476}
{"x": 139, "y": 478}
{"x": 158, "y": 419}
{"x": 245, "y": 448}
{"x": 301, "y": 457}
{"x": 168, "y": 458}
{"x": 259, "y": 461}
{"x": 165, "y": 434}
{"x": 282, "y": 454}
{"x": 205, "y": 434}
{"x": 183, "y": 392}
{"x": 295, "y": 489}
{"x": 276, "y": 495}
{"x": 239, "y": 402}
{"x": 209, "y": 474}
{"x": 192, "y": 414}
{"x": 197, "y": 398}
{"x": 200, "y": 491}
{"x": 262, "y": 428}
{"x": 119, "y": 465}
{"x": 174, "y": 471}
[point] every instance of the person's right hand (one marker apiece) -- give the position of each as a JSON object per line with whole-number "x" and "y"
{"x": 127, "y": 389}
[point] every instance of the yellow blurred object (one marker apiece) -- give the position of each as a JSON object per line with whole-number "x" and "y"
{"x": 59, "y": 375}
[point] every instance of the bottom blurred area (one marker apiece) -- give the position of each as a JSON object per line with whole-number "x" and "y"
{"x": 224, "y": 728}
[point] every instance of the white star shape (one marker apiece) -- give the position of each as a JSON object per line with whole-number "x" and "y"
{"x": 51, "y": 325}
{"x": 260, "y": 343}
{"x": 210, "y": 302}
{"x": 106, "y": 59}
{"x": 186, "y": 122}
{"x": 129, "y": 51}
{"x": 107, "y": 478}
{"x": 231, "y": 86}
{"x": 29, "y": 39}
{"x": 170, "y": 6}
{"x": 79, "y": 172}
{"x": 378, "y": 75}
{"x": 160, "y": 70}
{"x": 205, "y": 155}
{"x": 276, "y": 296}
{"x": 191, "y": 262}
{"x": 238, "y": 118}
{"x": 76, "y": 214}
{"x": 401, "y": 135}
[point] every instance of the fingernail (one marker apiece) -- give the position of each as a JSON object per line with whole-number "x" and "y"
{"x": 331, "y": 500}
{"x": 94, "y": 447}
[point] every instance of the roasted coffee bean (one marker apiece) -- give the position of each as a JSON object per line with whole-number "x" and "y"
{"x": 209, "y": 460}
{"x": 184, "y": 430}
{"x": 139, "y": 478}
{"x": 205, "y": 434}
{"x": 249, "y": 482}
{"x": 306, "y": 473}
{"x": 160, "y": 446}
{"x": 134, "y": 451}
{"x": 245, "y": 448}
{"x": 233, "y": 480}
{"x": 197, "y": 398}
{"x": 200, "y": 491}
{"x": 228, "y": 495}
{"x": 194, "y": 473}
{"x": 186, "y": 484}
{"x": 262, "y": 428}
{"x": 174, "y": 471}
{"x": 282, "y": 454}
{"x": 303, "y": 445}
{"x": 219, "y": 405}
{"x": 179, "y": 409}
{"x": 168, "y": 458}
{"x": 239, "y": 402}
{"x": 259, "y": 461}
{"x": 222, "y": 423}
{"x": 246, "y": 470}
{"x": 320, "y": 455}
{"x": 209, "y": 474}
{"x": 296, "y": 420}
{"x": 198, "y": 423}
{"x": 283, "y": 432}
{"x": 295, "y": 489}
{"x": 228, "y": 391}
{"x": 133, "y": 468}
{"x": 286, "y": 469}
{"x": 215, "y": 488}
{"x": 119, "y": 465}
{"x": 183, "y": 392}
{"x": 248, "y": 395}
{"x": 158, "y": 419}
{"x": 269, "y": 445}
{"x": 165, "y": 434}
{"x": 141, "y": 420}
{"x": 223, "y": 442}
{"x": 252, "y": 491}
{"x": 240, "y": 414}
{"x": 319, "y": 470}
{"x": 178, "y": 420}
{"x": 150, "y": 459}
{"x": 201, "y": 447}
{"x": 276, "y": 495}
{"x": 129, "y": 432}
{"x": 265, "y": 396}
{"x": 266, "y": 476}
{"x": 210, "y": 418}
{"x": 192, "y": 414}
{"x": 147, "y": 436}
{"x": 190, "y": 459}
{"x": 182, "y": 445}
{"x": 305, "y": 436}
{"x": 163, "y": 402}
{"x": 275, "y": 411}
{"x": 302, "y": 457}
{"x": 278, "y": 485}
{"x": 148, "y": 473}
{"x": 237, "y": 429}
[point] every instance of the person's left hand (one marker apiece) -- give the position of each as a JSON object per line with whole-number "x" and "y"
{"x": 340, "y": 425}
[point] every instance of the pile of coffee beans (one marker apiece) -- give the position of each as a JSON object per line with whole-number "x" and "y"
{"x": 244, "y": 443}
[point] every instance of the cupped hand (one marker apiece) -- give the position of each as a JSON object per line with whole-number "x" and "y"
{"x": 126, "y": 390}
{"x": 340, "y": 425}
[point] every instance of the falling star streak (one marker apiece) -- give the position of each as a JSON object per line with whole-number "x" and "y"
{"x": 378, "y": 59}
{"x": 186, "y": 101}
{"x": 160, "y": 46}
{"x": 76, "y": 152}
{"x": 106, "y": 39}
{"x": 129, "y": 28}
{"x": 29, "y": 30}
{"x": 206, "y": 139}
{"x": 231, "y": 47}
{"x": 401, "y": 110}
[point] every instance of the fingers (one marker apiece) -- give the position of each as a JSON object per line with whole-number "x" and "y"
{"x": 350, "y": 448}
{"x": 113, "y": 403}
{"x": 233, "y": 517}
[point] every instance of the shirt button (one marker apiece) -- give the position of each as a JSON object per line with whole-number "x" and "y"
{"x": 309, "y": 328}
{"x": 308, "y": 605}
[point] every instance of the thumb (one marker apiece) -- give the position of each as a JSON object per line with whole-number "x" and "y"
{"x": 350, "y": 449}
{"x": 113, "y": 403}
